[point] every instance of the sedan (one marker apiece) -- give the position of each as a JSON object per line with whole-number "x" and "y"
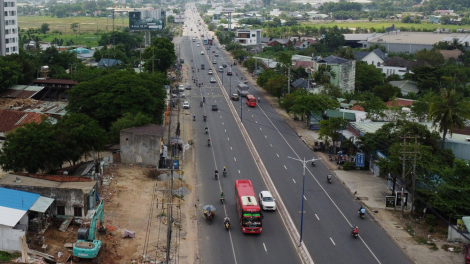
{"x": 186, "y": 105}
{"x": 217, "y": 54}
{"x": 214, "y": 62}
{"x": 209, "y": 72}
{"x": 202, "y": 52}
{"x": 266, "y": 201}
{"x": 214, "y": 108}
{"x": 213, "y": 80}
{"x": 188, "y": 87}
{"x": 224, "y": 65}
{"x": 197, "y": 45}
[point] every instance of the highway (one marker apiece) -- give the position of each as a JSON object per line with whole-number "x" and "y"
{"x": 329, "y": 209}
{"x": 229, "y": 149}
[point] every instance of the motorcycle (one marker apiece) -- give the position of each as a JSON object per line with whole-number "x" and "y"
{"x": 205, "y": 117}
{"x": 330, "y": 158}
{"x": 227, "y": 225}
{"x": 362, "y": 215}
{"x": 194, "y": 118}
{"x": 313, "y": 163}
{"x": 225, "y": 173}
{"x": 329, "y": 180}
{"x": 201, "y": 106}
{"x": 208, "y": 143}
{"x": 216, "y": 175}
{"x": 222, "y": 199}
{"x": 355, "y": 232}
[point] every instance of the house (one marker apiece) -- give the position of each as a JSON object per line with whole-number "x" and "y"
{"x": 142, "y": 145}
{"x": 73, "y": 195}
{"x": 282, "y": 42}
{"x": 303, "y": 44}
{"x": 12, "y": 119}
{"x": 444, "y": 12}
{"x": 406, "y": 86}
{"x": 295, "y": 14}
{"x": 55, "y": 89}
{"x": 275, "y": 12}
{"x": 375, "y": 57}
{"x": 246, "y": 37}
{"x": 400, "y": 102}
{"x": 21, "y": 91}
{"x": 451, "y": 54}
{"x": 300, "y": 83}
{"x": 435, "y": 19}
{"x": 307, "y": 65}
{"x": 400, "y": 66}
{"x": 17, "y": 210}
{"x": 345, "y": 71}
{"x": 105, "y": 63}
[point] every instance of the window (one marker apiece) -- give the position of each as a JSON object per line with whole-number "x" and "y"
{"x": 378, "y": 64}
{"x": 7, "y": 50}
{"x": 5, "y": 4}
{"x": 372, "y": 62}
{"x": 60, "y": 210}
{"x": 6, "y": 13}
{"x": 77, "y": 211}
{"x": 7, "y": 41}
{"x": 253, "y": 35}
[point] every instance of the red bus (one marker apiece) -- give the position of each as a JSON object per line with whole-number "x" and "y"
{"x": 250, "y": 100}
{"x": 249, "y": 211}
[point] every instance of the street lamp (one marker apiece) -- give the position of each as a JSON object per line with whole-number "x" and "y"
{"x": 303, "y": 193}
{"x": 341, "y": 144}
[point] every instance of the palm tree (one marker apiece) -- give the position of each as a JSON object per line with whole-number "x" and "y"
{"x": 449, "y": 110}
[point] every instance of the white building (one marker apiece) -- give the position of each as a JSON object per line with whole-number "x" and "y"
{"x": 8, "y": 27}
{"x": 247, "y": 37}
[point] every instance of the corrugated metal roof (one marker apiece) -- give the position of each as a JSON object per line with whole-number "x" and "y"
{"x": 41, "y": 204}
{"x": 14, "y": 204}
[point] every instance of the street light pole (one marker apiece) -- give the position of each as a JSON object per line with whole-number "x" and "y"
{"x": 303, "y": 193}
{"x": 341, "y": 144}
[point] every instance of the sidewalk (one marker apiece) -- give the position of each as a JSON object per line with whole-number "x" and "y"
{"x": 371, "y": 190}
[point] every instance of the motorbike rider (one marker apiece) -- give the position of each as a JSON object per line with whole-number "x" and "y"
{"x": 217, "y": 174}
{"x": 328, "y": 177}
{"x": 204, "y": 99}
{"x": 227, "y": 219}
{"x": 194, "y": 117}
{"x": 225, "y": 170}
{"x": 222, "y": 196}
{"x": 209, "y": 141}
{"x": 362, "y": 210}
{"x": 259, "y": 100}
{"x": 355, "y": 230}
{"x": 205, "y": 117}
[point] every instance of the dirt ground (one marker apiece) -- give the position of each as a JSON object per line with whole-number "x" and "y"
{"x": 128, "y": 205}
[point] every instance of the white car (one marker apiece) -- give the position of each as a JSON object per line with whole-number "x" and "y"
{"x": 202, "y": 52}
{"x": 213, "y": 80}
{"x": 209, "y": 72}
{"x": 197, "y": 45}
{"x": 182, "y": 95}
{"x": 267, "y": 201}
{"x": 181, "y": 88}
{"x": 186, "y": 105}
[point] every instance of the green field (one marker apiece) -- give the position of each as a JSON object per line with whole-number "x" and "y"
{"x": 90, "y": 28}
{"x": 379, "y": 24}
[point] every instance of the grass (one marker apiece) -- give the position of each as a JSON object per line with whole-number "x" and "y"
{"x": 420, "y": 240}
{"x": 383, "y": 23}
{"x": 5, "y": 256}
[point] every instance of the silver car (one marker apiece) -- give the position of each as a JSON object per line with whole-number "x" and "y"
{"x": 267, "y": 201}
{"x": 213, "y": 80}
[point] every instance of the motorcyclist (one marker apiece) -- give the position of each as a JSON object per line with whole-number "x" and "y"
{"x": 226, "y": 219}
{"x": 355, "y": 230}
{"x": 225, "y": 171}
{"x": 217, "y": 174}
{"x": 205, "y": 117}
{"x": 204, "y": 99}
{"x": 209, "y": 142}
{"x": 194, "y": 117}
{"x": 222, "y": 195}
{"x": 328, "y": 177}
{"x": 362, "y": 210}
{"x": 207, "y": 130}
{"x": 259, "y": 100}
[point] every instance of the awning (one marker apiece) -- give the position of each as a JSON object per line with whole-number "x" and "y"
{"x": 41, "y": 204}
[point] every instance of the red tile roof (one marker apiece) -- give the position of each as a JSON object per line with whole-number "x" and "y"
{"x": 304, "y": 64}
{"x": 12, "y": 119}
{"x": 357, "y": 108}
{"x": 300, "y": 42}
{"x": 57, "y": 178}
{"x": 400, "y": 102}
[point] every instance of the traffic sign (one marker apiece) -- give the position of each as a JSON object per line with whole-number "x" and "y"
{"x": 360, "y": 160}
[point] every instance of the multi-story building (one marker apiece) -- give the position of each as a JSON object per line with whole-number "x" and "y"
{"x": 247, "y": 37}
{"x": 8, "y": 27}
{"x": 345, "y": 71}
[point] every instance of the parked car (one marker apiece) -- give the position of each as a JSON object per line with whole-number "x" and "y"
{"x": 186, "y": 105}
{"x": 266, "y": 201}
{"x": 213, "y": 80}
{"x": 182, "y": 95}
{"x": 181, "y": 88}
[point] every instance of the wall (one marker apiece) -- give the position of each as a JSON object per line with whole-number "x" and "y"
{"x": 461, "y": 149}
{"x": 393, "y": 70}
{"x": 69, "y": 198}
{"x": 373, "y": 59}
{"x": 402, "y": 47}
{"x": 347, "y": 76}
{"x": 453, "y": 235}
{"x": 140, "y": 148}
{"x": 10, "y": 239}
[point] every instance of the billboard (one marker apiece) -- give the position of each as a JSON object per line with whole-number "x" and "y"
{"x": 147, "y": 20}
{"x": 360, "y": 160}
{"x": 179, "y": 19}
{"x": 228, "y": 10}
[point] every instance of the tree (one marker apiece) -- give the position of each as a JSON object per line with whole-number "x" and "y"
{"x": 170, "y": 19}
{"x": 367, "y": 77}
{"x": 329, "y": 128}
{"x": 128, "y": 120}
{"x": 433, "y": 57}
{"x": 276, "y": 86}
{"x": 420, "y": 108}
{"x": 27, "y": 67}
{"x": 32, "y": 148}
{"x": 374, "y": 106}
{"x": 163, "y": 50}
{"x": 449, "y": 110}
{"x": 333, "y": 40}
{"x": 74, "y": 27}
{"x": 10, "y": 73}
{"x": 250, "y": 64}
{"x": 108, "y": 98}
{"x": 45, "y": 28}
{"x": 265, "y": 76}
{"x": 79, "y": 134}
{"x": 387, "y": 91}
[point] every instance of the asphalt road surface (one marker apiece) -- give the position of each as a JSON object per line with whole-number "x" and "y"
{"x": 329, "y": 209}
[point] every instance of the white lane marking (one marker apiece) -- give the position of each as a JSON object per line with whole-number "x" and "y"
{"x": 256, "y": 122}
{"x": 285, "y": 167}
{"x": 228, "y": 138}
{"x": 260, "y": 128}
{"x": 265, "y": 136}
{"x": 265, "y": 248}
{"x": 277, "y": 155}
{"x": 332, "y": 241}
{"x": 317, "y": 217}
{"x": 305, "y": 198}
{"x": 235, "y": 158}
{"x": 252, "y": 116}
{"x": 220, "y": 116}
{"x": 239, "y": 171}
{"x": 222, "y": 123}
{"x": 293, "y": 180}
{"x": 231, "y": 148}
{"x": 225, "y": 130}
{"x": 271, "y": 145}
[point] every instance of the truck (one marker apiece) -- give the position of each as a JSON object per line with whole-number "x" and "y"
{"x": 205, "y": 41}
{"x": 210, "y": 41}
{"x": 242, "y": 89}
{"x": 87, "y": 246}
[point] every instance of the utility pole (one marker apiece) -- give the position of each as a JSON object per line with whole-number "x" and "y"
{"x": 405, "y": 152}
{"x": 288, "y": 80}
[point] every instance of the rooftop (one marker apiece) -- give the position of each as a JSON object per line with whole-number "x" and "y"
{"x": 150, "y": 129}
{"x": 56, "y": 81}
{"x": 416, "y": 37}
{"x": 14, "y": 205}
{"x": 21, "y": 91}
{"x": 12, "y": 119}
{"x": 10, "y": 180}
